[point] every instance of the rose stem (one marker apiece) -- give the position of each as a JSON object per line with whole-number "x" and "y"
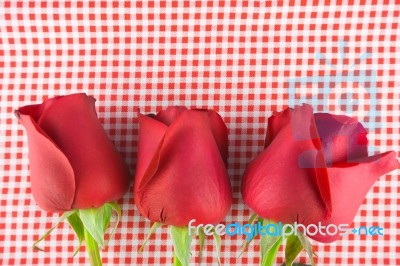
{"x": 92, "y": 249}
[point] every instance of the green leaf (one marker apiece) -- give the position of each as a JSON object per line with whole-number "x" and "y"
{"x": 151, "y": 231}
{"x": 93, "y": 220}
{"x": 181, "y": 240}
{"x": 253, "y": 217}
{"x": 245, "y": 246}
{"x": 269, "y": 256}
{"x": 62, "y": 218}
{"x": 114, "y": 207}
{"x": 77, "y": 225}
{"x": 269, "y": 245}
{"x": 92, "y": 249}
{"x": 202, "y": 238}
{"x": 307, "y": 246}
{"x": 176, "y": 261}
{"x": 267, "y": 241}
{"x": 293, "y": 249}
{"x": 217, "y": 239}
{"x": 106, "y": 216}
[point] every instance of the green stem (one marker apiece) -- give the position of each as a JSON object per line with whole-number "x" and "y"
{"x": 92, "y": 249}
{"x": 176, "y": 261}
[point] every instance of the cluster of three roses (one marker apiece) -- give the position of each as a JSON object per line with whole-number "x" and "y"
{"x": 314, "y": 168}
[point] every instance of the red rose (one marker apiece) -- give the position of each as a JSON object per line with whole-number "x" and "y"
{"x": 181, "y": 172}
{"x": 314, "y": 168}
{"x": 73, "y": 164}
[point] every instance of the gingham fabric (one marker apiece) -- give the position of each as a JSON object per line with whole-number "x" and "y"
{"x": 244, "y": 59}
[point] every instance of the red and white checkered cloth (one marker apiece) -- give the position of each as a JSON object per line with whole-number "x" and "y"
{"x": 236, "y": 57}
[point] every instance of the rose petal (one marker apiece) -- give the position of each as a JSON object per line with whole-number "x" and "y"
{"x": 343, "y": 138}
{"x": 190, "y": 180}
{"x": 51, "y": 175}
{"x": 276, "y": 123}
{"x": 220, "y": 132}
{"x": 168, "y": 115}
{"x": 151, "y": 134}
{"x": 101, "y": 175}
{"x": 35, "y": 111}
{"x": 349, "y": 183}
{"x": 289, "y": 176}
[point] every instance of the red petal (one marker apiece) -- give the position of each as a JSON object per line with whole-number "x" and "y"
{"x": 220, "y": 132}
{"x": 190, "y": 180}
{"x": 168, "y": 115}
{"x": 151, "y": 134}
{"x": 52, "y": 177}
{"x": 343, "y": 138}
{"x": 101, "y": 175}
{"x": 289, "y": 176}
{"x": 350, "y": 183}
{"x": 276, "y": 123}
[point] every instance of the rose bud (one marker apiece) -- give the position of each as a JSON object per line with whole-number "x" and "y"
{"x": 74, "y": 167}
{"x": 181, "y": 169}
{"x": 314, "y": 168}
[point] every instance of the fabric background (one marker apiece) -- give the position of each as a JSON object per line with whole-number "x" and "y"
{"x": 239, "y": 58}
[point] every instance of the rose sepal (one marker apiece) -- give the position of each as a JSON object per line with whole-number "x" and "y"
{"x": 90, "y": 225}
{"x": 294, "y": 244}
{"x": 182, "y": 239}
